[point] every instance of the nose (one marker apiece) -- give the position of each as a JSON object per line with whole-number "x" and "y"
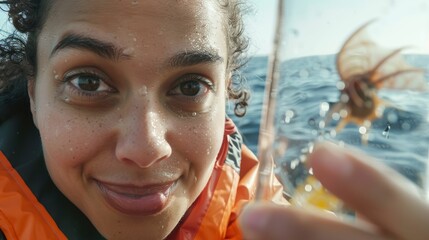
{"x": 142, "y": 138}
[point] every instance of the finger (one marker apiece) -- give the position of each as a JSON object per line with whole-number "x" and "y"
{"x": 272, "y": 222}
{"x": 375, "y": 191}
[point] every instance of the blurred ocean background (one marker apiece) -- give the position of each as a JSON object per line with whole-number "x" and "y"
{"x": 400, "y": 137}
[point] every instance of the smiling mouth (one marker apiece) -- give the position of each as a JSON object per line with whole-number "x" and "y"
{"x": 135, "y": 200}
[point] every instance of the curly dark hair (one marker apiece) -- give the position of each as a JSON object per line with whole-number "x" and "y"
{"x": 18, "y": 50}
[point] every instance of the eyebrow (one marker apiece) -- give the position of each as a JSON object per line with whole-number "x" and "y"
{"x": 99, "y": 47}
{"x": 190, "y": 58}
{"x": 109, "y": 50}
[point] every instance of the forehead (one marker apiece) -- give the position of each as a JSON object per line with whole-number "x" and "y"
{"x": 199, "y": 23}
{"x": 171, "y": 9}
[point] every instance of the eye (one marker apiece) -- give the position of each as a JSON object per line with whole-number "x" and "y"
{"x": 192, "y": 86}
{"x": 87, "y": 87}
{"x": 192, "y": 93}
{"x": 89, "y": 83}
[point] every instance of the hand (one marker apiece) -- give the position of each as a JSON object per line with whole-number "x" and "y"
{"x": 387, "y": 201}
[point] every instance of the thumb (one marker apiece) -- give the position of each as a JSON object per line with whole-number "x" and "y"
{"x": 379, "y": 193}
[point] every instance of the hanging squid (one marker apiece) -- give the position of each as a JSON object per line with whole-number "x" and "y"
{"x": 364, "y": 68}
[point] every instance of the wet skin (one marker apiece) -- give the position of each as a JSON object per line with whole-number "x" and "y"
{"x": 129, "y": 98}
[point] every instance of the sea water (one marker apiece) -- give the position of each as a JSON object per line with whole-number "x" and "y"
{"x": 400, "y": 137}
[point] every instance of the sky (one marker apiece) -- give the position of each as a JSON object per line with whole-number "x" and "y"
{"x": 321, "y": 26}
{"x": 315, "y": 27}
{"x": 260, "y": 25}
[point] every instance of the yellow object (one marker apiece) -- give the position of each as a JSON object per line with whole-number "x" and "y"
{"x": 311, "y": 193}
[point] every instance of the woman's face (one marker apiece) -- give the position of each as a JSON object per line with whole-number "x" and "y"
{"x": 129, "y": 99}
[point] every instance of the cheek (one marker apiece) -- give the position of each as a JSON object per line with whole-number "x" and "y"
{"x": 68, "y": 141}
{"x": 201, "y": 143}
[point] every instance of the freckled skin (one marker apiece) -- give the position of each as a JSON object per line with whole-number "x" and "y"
{"x": 124, "y": 134}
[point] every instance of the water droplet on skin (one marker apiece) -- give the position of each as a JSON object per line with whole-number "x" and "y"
{"x": 66, "y": 99}
{"x": 128, "y": 51}
{"x": 194, "y": 114}
{"x": 57, "y": 77}
{"x": 68, "y": 127}
{"x": 142, "y": 91}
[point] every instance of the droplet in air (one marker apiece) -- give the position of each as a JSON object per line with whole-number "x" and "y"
{"x": 405, "y": 126}
{"x": 288, "y": 116}
{"x": 386, "y": 131}
{"x": 324, "y": 108}
{"x": 392, "y": 117}
{"x": 344, "y": 113}
{"x": 344, "y": 98}
{"x": 295, "y": 32}
{"x": 341, "y": 85}
{"x": 335, "y": 116}
{"x": 362, "y": 130}
{"x": 322, "y": 124}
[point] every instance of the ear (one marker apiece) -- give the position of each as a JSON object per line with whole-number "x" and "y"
{"x": 31, "y": 90}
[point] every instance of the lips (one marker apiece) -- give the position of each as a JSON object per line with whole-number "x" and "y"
{"x": 136, "y": 200}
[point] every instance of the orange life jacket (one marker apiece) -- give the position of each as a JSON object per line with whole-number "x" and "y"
{"x": 212, "y": 216}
